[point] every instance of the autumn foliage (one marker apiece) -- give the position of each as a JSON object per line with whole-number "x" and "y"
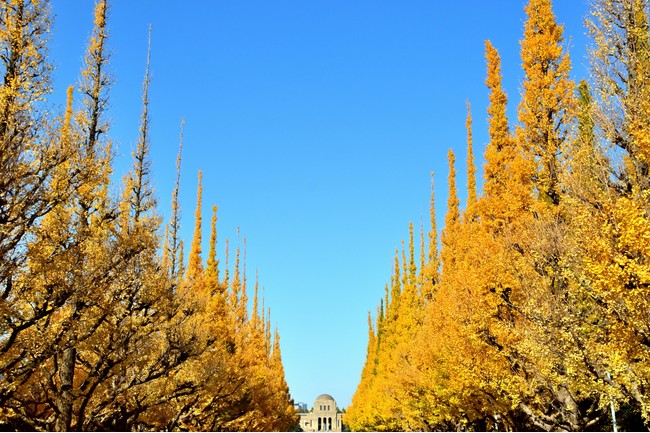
{"x": 103, "y": 326}
{"x": 535, "y": 314}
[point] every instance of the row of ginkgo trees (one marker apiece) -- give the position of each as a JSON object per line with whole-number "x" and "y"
{"x": 535, "y": 314}
{"x": 102, "y": 327}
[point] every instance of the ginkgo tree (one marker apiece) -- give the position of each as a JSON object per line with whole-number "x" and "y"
{"x": 103, "y": 326}
{"x": 537, "y": 318}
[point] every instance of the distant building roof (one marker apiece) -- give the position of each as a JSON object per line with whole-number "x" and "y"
{"x": 325, "y": 397}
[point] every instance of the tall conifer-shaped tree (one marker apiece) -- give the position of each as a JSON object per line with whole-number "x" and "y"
{"x": 547, "y": 116}
{"x": 548, "y": 97}
{"x": 452, "y": 219}
{"x": 471, "y": 167}
{"x": 173, "y": 252}
{"x": 504, "y": 193}
{"x": 431, "y": 270}
{"x": 195, "y": 261}
{"x": 92, "y": 213}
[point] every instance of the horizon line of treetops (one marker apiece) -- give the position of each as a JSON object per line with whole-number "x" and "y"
{"x": 535, "y": 314}
{"x": 102, "y": 326}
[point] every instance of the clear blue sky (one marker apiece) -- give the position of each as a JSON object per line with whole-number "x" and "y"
{"x": 316, "y": 124}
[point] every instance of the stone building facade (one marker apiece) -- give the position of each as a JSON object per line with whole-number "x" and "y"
{"x": 323, "y": 417}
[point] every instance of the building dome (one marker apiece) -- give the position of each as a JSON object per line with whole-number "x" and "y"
{"x": 325, "y": 397}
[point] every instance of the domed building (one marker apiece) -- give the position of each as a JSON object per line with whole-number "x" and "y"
{"x": 323, "y": 417}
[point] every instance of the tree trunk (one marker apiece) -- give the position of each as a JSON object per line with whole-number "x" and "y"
{"x": 65, "y": 398}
